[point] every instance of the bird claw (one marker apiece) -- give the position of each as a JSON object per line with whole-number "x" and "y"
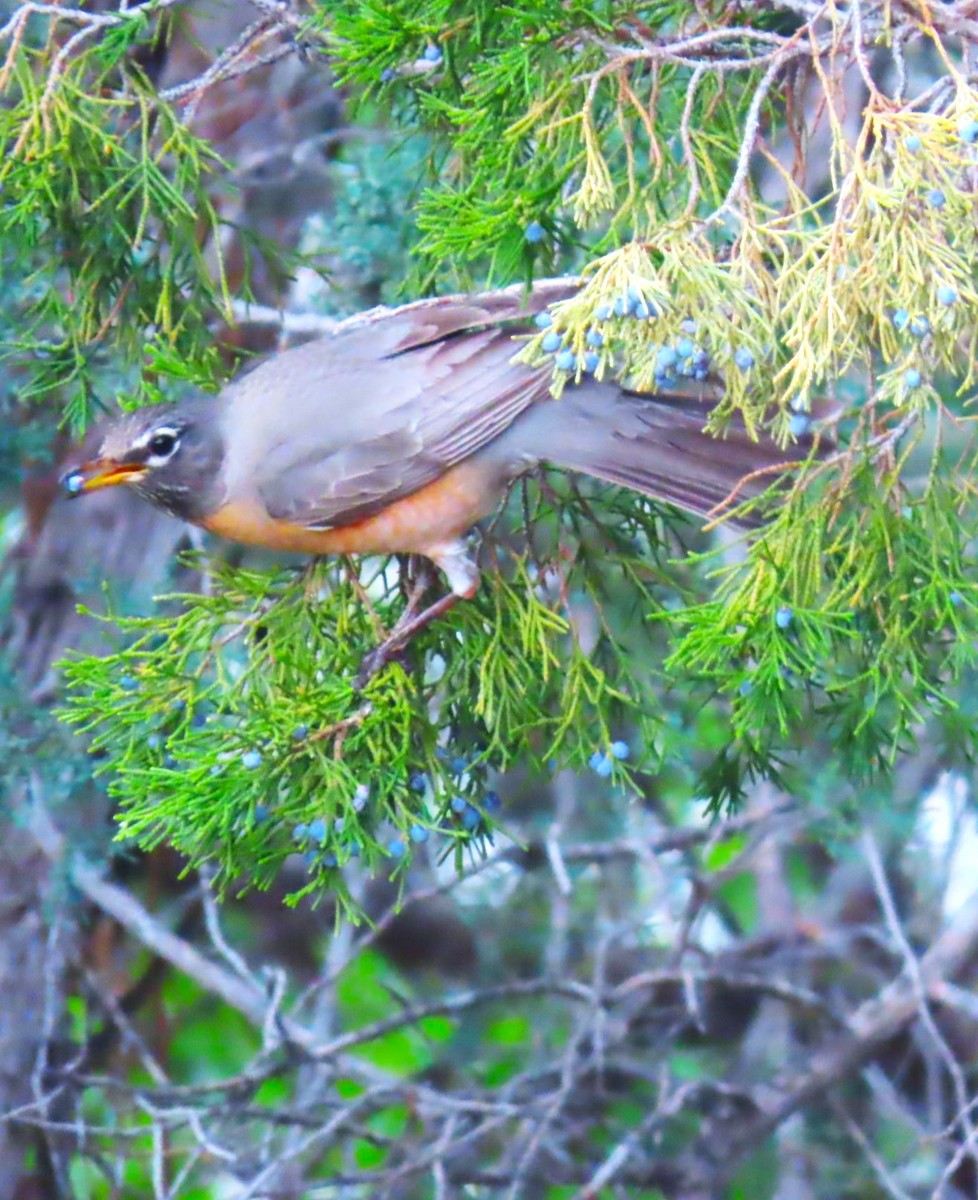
{"x": 396, "y": 643}
{"x": 463, "y": 576}
{"x": 375, "y": 660}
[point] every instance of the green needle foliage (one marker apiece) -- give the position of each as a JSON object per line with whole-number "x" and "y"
{"x": 105, "y": 210}
{"x": 663, "y": 151}
{"x": 238, "y": 731}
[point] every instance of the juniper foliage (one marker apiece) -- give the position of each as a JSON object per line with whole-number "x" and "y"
{"x": 720, "y": 187}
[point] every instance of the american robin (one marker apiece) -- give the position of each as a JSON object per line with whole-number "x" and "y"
{"x": 400, "y": 430}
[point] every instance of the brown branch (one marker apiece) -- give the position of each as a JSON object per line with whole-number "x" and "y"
{"x": 876, "y": 1021}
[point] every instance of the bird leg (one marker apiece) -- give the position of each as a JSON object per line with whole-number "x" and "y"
{"x": 400, "y": 636}
{"x": 463, "y": 575}
{"x": 416, "y": 579}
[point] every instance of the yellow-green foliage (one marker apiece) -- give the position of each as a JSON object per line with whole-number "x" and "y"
{"x": 771, "y": 193}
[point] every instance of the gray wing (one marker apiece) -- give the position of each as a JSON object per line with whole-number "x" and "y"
{"x": 388, "y": 407}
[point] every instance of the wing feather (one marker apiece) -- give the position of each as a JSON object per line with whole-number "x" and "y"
{"x": 408, "y": 415}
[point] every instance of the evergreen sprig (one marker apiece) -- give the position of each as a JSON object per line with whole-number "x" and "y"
{"x": 664, "y": 153}
{"x": 106, "y": 210}
{"x": 236, "y": 729}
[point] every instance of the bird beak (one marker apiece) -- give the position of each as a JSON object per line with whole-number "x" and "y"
{"x": 100, "y": 473}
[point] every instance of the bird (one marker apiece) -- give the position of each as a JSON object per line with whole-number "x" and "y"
{"x": 404, "y": 427}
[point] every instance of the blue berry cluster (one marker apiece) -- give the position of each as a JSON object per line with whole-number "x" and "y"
{"x": 602, "y": 762}
{"x": 631, "y": 303}
{"x": 473, "y": 819}
{"x": 321, "y": 835}
{"x": 431, "y": 56}
{"x": 968, "y": 130}
{"x": 553, "y": 343}
{"x": 458, "y": 764}
{"x": 918, "y": 326}
{"x": 322, "y": 844}
{"x": 466, "y": 814}
{"x": 683, "y": 358}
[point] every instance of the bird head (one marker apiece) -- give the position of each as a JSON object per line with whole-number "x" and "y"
{"x": 171, "y": 455}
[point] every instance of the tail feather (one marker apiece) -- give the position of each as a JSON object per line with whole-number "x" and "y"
{"x": 655, "y": 445}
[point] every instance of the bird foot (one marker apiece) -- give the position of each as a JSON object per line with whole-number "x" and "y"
{"x": 454, "y": 560}
{"x": 410, "y": 624}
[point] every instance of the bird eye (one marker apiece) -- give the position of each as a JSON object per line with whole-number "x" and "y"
{"x": 162, "y": 444}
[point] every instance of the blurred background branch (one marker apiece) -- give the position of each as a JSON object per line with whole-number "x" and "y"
{"x": 664, "y": 847}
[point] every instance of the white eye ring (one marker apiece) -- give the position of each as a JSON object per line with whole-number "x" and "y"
{"x": 162, "y": 443}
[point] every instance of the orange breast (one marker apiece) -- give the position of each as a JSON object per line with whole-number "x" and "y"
{"x": 427, "y": 518}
